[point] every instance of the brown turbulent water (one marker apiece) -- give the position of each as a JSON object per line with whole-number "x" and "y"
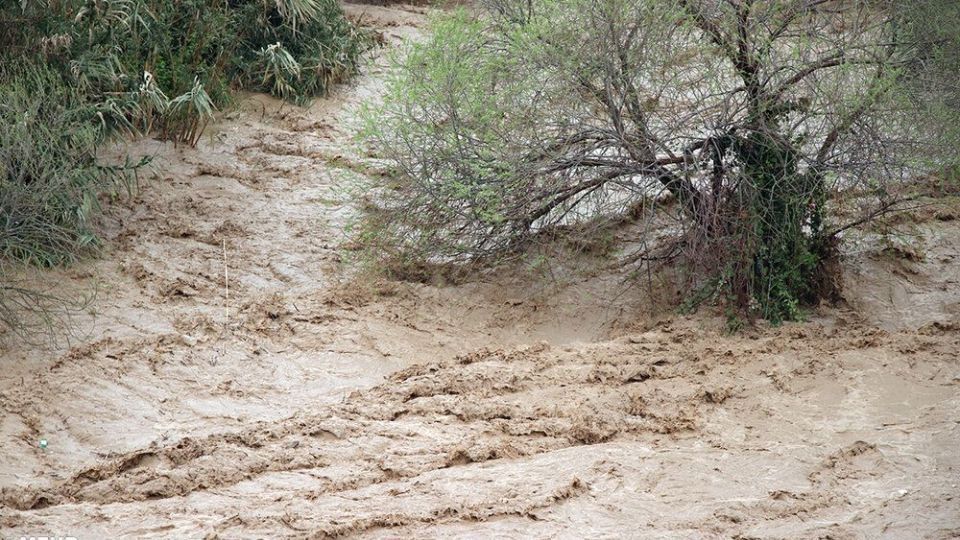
{"x": 233, "y": 381}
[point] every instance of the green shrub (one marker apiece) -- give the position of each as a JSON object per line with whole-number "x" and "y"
{"x": 745, "y": 120}
{"x": 108, "y": 44}
{"x": 49, "y": 188}
{"x": 51, "y": 174}
{"x": 932, "y": 30}
{"x": 76, "y": 73}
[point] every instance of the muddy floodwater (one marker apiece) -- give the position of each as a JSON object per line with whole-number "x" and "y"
{"x": 234, "y": 378}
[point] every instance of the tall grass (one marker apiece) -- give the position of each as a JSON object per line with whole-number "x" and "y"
{"x": 75, "y": 74}
{"x": 48, "y": 150}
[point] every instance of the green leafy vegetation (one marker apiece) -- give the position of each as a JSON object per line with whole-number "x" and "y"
{"x": 752, "y": 125}
{"x": 77, "y": 74}
{"x": 931, "y": 28}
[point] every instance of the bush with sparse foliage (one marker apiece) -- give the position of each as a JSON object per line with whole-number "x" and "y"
{"x": 748, "y": 126}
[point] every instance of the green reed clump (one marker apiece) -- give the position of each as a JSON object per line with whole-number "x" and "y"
{"x": 75, "y": 74}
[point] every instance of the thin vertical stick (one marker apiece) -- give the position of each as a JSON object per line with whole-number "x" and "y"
{"x": 226, "y": 272}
